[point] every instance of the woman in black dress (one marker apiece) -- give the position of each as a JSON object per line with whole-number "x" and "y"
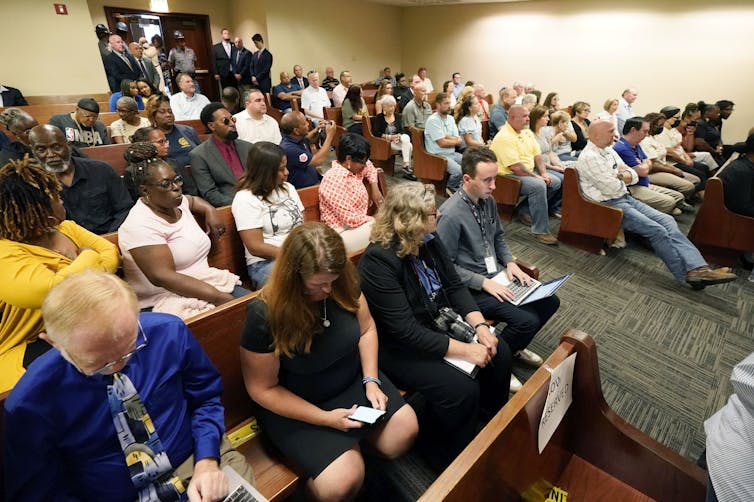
{"x": 309, "y": 357}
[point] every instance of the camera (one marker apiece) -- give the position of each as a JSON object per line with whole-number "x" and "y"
{"x": 453, "y": 324}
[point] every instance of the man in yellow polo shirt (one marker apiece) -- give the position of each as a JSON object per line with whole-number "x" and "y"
{"x": 519, "y": 156}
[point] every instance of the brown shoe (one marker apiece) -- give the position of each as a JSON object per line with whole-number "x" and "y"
{"x": 705, "y": 276}
{"x": 547, "y": 238}
{"x": 525, "y": 219}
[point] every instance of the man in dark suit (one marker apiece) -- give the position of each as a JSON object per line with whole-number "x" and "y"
{"x": 299, "y": 81}
{"x": 10, "y": 96}
{"x": 242, "y": 65}
{"x": 119, "y": 64}
{"x": 217, "y": 163}
{"x": 223, "y": 57}
{"x": 147, "y": 70}
{"x": 261, "y": 63}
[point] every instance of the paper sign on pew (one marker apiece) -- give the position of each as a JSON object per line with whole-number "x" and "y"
{"x": 559, "y": 398}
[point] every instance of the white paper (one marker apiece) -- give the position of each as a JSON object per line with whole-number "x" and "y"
{"x": 461, "y": 364}
{"x": 559, "y": 398}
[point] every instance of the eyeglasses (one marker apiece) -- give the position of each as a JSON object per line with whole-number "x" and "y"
{"x": 163, "y": 141}
{"x": 106, "y": 369}
{"x": 168, "y": 184}
{"x": 228, "y": 120}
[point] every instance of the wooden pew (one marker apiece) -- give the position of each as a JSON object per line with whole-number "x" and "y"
{"x": 721, "y": 235}
{"x": 586, "y": 224}
{"x": 428, "y": 167}
{"x": 506, "y": 194}
{"x": 43, "y": 112}
{"x": 111, "y": 155}
{"x": 196, "y": 124}
{"x": 382, "y": 156}
{"x": 593, "y": 455}
{"x": 335, "y": 114}
{"x": 61, "y": 99}
{"x": 271, "y": 110}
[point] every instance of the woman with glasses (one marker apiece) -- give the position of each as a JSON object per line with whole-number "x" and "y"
{"x": 129, "y": 121}
{"x": 580, "y": 122}
{"x": 266, "y": 208}
{"x": 407, "y": 278}
{"x": 309, "y": 357}
{"x": 164, "y": 249}
{"x": 157, "y": 137}
{"x": 182, "y": 138}
{"x": 38, "y": 249}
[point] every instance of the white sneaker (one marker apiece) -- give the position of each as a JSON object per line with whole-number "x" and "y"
{"x": 526, "y": 356}
{"x": 515, "y": 384}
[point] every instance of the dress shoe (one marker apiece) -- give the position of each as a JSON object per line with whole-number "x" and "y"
{"x": 685, "y": 206}
{"x": 705, "y": 276}
{"x": 526, "y": 356}
{"x": 515, "y": 384}
{"x": 409, "y": 175}
{"x": 547, "y": 238}
{"x": 525, "y": 219}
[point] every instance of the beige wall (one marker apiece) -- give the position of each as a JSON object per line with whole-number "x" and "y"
{"x": 356, "y": 35}
{"x": 249, "y": 17}
{"x": 682, "y": 51}
{"x": 45, "y": 53}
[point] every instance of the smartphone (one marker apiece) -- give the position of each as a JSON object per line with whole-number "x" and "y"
{"x": 366, "y": 415}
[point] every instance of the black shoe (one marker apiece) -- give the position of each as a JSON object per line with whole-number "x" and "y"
{"x": 409, "y": 176}
{"x": 686, "y": 207}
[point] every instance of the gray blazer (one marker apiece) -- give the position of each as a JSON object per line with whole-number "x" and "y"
{"x": 152, "y": 76}
{"x": 213, "y": 176}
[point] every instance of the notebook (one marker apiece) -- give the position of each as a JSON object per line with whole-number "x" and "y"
{"x": 534, "y": 291}
{"x": 240, "y": 489}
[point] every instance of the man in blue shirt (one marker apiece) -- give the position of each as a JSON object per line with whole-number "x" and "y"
{"x": 284, "y": 93}
{"x": 441, "y": 138}
{"x": 297, "y": 140}
{"x": 61, "y": 438}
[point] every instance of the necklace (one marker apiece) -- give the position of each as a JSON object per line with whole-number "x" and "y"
{"x": 325, "y": 321}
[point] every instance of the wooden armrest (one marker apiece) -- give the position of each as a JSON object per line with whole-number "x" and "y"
{"x": 527, "y": 267}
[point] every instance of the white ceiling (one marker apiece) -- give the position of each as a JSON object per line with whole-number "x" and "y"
{"x": 422, "y": 3}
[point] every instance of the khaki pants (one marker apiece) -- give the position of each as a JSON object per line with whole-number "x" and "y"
{"x": 686, "y": 184}
{"x": 228, "y": 456}
{"x": 356, "y": 239}
{"x": 657, "y": 197}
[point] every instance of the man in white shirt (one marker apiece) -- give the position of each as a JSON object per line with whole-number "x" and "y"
{"x": 625, "y": 111}
{"x": 187, "y": 104}
{"x": 422, "y": 72}
{"x": 339, "y": 93}
{"x": 253, "y": 124}
{"x": 519, "y": 88}
{"x": 314, "y": 99}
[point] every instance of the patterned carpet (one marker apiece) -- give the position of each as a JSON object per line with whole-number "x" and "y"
{"x": 665, "y": 351}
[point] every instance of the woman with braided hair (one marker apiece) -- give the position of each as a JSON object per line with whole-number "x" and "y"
{"x": 164, "y": 248}
{"x": 38, "y": 249}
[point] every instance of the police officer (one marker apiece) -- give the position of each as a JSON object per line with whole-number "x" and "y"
{"x": 182, "y": 58}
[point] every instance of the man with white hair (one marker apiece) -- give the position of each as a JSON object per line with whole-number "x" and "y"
{"x": 625, "y": 111}
{"x": 151, "y": 426}
{"x": 314, "y": 99}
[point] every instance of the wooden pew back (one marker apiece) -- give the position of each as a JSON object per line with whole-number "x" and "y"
{"x": 586, "y": 224}
{"x": 196, "y": 124}
{"x": 506, "y": 195}
{"x": 721, "y": 235}
{"x": 593, "y": 455}
{"x": 381, "y": 154}
{"x": 335, "y": 114}
{"x": 111, "y": 155}
{"x": 428, "y": 167}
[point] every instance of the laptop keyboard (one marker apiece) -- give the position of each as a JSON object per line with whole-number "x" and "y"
{"x": 241, "y": 494}
{"x": 519, "y": 289}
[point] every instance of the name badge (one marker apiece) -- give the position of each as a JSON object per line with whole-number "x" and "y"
{"x": 491, "y": 263}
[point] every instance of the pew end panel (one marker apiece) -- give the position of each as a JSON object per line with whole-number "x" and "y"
{"x": 593, "y": 455}
{"x": 586, "y": 224}
{"x": 721, "y": 235}
{"x": 381, "y": 156}
{"x": 506, "y": 194}
{"x": 429, "y": 168}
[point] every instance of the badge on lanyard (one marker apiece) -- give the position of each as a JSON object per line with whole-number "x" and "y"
{"x": 491, "y": 263}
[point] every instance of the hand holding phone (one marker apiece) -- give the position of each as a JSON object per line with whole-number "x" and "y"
{"x": 367, "y": 415}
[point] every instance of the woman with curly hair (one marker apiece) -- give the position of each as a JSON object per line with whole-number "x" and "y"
{"x": 309, "y": 357}
{"x": 385, "y": 89}
{"x": 38, "y": 249}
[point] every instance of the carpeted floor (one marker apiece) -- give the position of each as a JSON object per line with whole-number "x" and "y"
{"x": 665, "y": 351}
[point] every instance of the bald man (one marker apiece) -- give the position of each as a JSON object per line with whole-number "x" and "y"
{"x": 119, "y": 64}
{"x": 603, "y": 177}
{"x": 298, "y": 139}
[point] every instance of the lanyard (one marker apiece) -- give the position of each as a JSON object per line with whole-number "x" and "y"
{"x": 479, "y": 219}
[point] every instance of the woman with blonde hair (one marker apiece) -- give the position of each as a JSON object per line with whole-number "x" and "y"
{"x": 412, "y": 287}
{"x": 608, "y": 113}
{"x": 309, "y": 357}
{"x": 562, "y": 136}
{"x": 38, "y": 249}
{"x": 580, "y": 123}
{"x": 388, "y": 125}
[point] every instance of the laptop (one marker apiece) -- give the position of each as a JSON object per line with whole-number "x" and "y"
{"x": 240, "y": 489}
{"x": 534, "y": 291}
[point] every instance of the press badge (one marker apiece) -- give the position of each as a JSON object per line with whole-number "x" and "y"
{"x": 491, "y": 264}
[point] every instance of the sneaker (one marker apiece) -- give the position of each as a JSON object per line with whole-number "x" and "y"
{"x": 705, "y": 276}
{"x": 547, "y": 238}
{"x": 526, "y": 356}
{"x": 525, "y": 219}
{"x": 515, "y": 384}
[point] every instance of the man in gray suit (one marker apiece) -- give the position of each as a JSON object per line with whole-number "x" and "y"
{"x": 145, "y": 66}
{"x": 217, "y": 163}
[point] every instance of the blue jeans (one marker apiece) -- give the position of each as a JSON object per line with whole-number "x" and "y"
{"x": 259, "y": 272}
{"x": 673, "y": 248}
{"x": 239, "y": 291}
{"x": 539, "y": 199}
{"x": 454, "y": 170}
{"x": 554, "y": 207}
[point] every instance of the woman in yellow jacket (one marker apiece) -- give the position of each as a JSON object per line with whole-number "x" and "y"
{"x": 38, "y": 249}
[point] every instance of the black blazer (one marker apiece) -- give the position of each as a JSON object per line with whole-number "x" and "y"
{"x": 380, "y": 124}
{"x": 220, "y": 63}
{"x": 13, "y": 97}
{"x": 242, "y": 65}
{"x": 397, "y": 303}
{"x": 118, "y": 70}
{"x": 261, "y": 63}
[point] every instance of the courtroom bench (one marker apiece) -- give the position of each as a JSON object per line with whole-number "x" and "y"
{"x": 593, "y": 455}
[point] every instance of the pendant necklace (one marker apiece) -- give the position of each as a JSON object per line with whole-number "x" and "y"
{"x": 325, "y": 320}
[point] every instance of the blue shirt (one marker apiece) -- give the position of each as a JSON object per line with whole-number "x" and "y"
{"x": 299, "y": 154}
{"x": 281, "y": 104}
{"x": 632, "y": 156}
{"x": 60, "y": 441}
{"x": 182, "y": 139}
{"x": 436, "y": 128}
